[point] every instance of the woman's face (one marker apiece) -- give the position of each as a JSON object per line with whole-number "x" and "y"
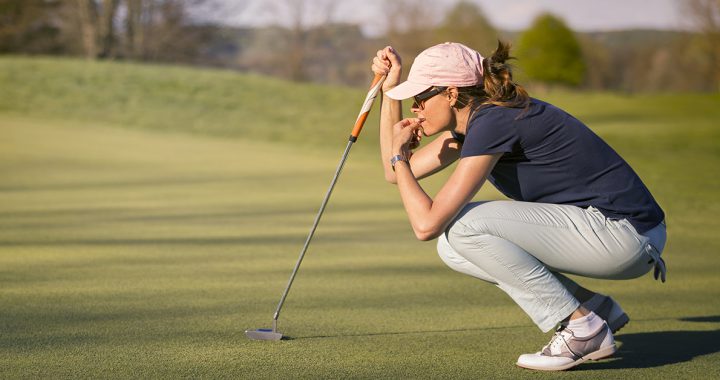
{"x": 435, "y": 113}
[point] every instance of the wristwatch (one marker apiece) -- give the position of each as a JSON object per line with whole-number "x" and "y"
{"x": 394, "y": 160}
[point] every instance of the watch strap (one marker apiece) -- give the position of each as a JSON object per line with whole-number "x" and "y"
{"x": 394, "y": 160}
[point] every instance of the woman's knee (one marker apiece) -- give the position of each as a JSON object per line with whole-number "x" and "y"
{"x": 458, "y": 263}
{"x": 448, "y": 255}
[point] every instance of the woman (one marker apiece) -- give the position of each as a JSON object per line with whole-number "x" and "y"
{"x": 577, "y": 206}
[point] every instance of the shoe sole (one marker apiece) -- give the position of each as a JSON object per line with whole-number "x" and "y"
{"x": 597, "y": 355}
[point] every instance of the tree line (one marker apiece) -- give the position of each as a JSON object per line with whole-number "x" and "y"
{"x": 549, "y": 53}
{"x": 140, "y": 30}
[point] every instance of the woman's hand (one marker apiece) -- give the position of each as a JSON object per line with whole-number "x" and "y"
{"x": 387, "y": 62}
{"x": 407, "y": 134}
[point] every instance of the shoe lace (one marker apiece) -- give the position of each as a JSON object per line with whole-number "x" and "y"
{"x": 559, "y": 340}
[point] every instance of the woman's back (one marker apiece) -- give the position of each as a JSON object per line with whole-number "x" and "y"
{"x": 551, "y": 157}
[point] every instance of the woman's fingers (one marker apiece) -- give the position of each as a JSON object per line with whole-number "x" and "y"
{"x": 387, "y": 62}
{"x": 380, "y": 66}
{"x": 391, "y": 55}
{"x": 416, "y": 137}
{"x": 408, "y": 131}
{"x": 405, "y": 123}
{"x": 415, "y": 141}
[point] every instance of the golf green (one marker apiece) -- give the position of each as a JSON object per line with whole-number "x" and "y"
{"x": 138, "y": 253}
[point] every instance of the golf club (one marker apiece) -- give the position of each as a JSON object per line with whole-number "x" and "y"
{"x": 273, "y": 333}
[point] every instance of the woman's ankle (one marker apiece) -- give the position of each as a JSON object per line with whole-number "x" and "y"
{"x": 579, "y": 313}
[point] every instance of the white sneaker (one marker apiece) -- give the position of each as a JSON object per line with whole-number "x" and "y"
{"x": 565, "y": 350}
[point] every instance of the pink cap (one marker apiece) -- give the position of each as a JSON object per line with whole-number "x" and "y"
{"x": 448, "y": 64}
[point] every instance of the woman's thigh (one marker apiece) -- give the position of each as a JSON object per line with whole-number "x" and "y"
{"x": 566, "y": 238}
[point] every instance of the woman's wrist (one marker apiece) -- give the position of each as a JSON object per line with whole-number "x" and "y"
{"x": 399, "y": 147}
{"x": 388, "y": 88}
{"x": 397, "y": 158}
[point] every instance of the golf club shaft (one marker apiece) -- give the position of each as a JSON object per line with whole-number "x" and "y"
{"x": 365, "y": 110}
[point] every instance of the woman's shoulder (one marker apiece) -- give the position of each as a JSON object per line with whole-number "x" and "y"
{"x": 492, "y": 112}
{"x": 486, "y": 115}
{"x": 537, "y": 113}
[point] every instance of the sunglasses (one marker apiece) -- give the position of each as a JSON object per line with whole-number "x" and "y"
{"x": 422, "y": 97}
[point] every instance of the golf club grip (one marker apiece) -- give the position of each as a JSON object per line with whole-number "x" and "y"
{"x": 365, "y": 111}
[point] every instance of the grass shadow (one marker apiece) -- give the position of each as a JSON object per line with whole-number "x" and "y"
{"x": 639, "y": 350}
{"x": 391, "y": 333}
{"x": 656, "y": 349}
{"x": 711, "y": 318}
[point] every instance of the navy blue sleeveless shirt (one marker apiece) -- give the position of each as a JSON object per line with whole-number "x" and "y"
{"x": 551, "y": 157}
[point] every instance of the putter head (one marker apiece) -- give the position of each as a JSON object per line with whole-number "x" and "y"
{"x": 263, "y": 334}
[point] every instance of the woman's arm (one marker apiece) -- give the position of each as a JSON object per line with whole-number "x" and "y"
{"x": 435, "y": 156}
{"x": 430, "y": 217}
{"x": 390, "y": 113}
{"x": 428, "y": 160}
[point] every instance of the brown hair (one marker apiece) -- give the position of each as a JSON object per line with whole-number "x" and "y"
{"x": 498, "y": 87}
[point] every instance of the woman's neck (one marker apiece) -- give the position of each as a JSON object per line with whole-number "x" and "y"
{"x": 462, "y": 117}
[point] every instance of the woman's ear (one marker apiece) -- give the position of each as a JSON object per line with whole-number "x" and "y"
{"x": 452, "y": 95}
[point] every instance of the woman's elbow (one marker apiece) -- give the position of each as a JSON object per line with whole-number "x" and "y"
{"x": 427, "y": 233}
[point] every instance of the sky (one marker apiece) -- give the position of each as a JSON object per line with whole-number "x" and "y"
{"x": 580, "y": 15}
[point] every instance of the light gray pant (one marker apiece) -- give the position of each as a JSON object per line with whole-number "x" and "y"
{"x": 522, "y": 247}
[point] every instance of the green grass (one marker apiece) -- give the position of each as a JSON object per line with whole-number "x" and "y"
{"x": 140, "y": 238}
{"x": 164, "y": 98}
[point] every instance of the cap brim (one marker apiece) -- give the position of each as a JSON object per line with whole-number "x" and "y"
{"x": 406, "y": 90}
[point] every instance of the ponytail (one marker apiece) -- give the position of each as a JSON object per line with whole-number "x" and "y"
{"x": 499, "y": 87}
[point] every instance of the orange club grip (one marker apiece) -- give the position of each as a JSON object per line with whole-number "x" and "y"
{"x": 359, "y": 124}
{"x": 372, "y": 93}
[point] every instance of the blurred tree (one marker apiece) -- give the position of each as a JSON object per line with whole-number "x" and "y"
{"x": 643, "y": 60}
{"x": 157, "y": 30}
{"x": 97, "y": 29}
{"x": 466, "y": 23}
{"x": 106, "y": 28}
{"x": 705, "y": 16}
{"x": 410, "y": 27}
{"x": 154, "y": 30}
{"x": 29, "y": 26}
{"x": 134, "y": 28}
{"x": 338, "y": 53}
{"x": 297, "y": 37}
{"x": 598, "y": 58}
{"x": 549, "y": 53}
{"x": 299, "y": 29}
{"x": 87, "y": 16}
